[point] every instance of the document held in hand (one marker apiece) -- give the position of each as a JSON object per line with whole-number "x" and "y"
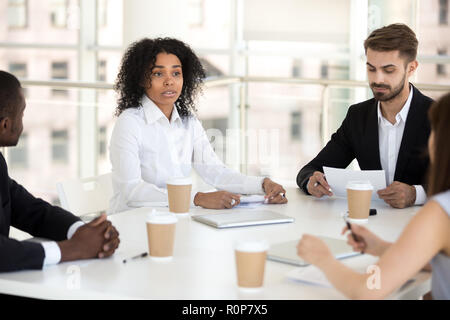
{"x": 338, "y": 178}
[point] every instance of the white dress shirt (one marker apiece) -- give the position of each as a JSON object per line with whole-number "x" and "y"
{"x": 147, "y": 149}
{"x": 390, "y": 138}
{"x": 51, "y": 248}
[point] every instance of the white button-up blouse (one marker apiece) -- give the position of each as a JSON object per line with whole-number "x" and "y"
{"x": 147, "y": 149}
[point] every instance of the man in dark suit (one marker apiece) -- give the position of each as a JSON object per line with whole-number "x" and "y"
{"x": 72, "y": 239}
{"x": 388, "y": 132}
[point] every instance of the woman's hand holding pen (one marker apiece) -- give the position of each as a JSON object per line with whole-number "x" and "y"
{"x": 318, "y": 185}
{"x": 366, "y": 241}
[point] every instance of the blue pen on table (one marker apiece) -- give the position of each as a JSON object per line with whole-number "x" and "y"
{"x": 142, "y": 255}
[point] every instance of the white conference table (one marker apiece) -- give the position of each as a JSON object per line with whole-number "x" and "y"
{"x": 203, "y": 266}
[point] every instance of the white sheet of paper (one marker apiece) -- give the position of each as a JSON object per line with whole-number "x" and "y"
{"x": 338, "y": 178}
{"x": 251, "y": 201}
{"x": 253, "y": 198}
{"x": 311, "y": 275}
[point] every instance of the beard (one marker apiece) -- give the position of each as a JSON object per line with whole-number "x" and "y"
{"x": 391, "y": 94}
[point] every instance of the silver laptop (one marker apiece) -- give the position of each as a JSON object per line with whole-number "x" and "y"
{"x": 286, "y": 252}
{"x": 242, "y": 218}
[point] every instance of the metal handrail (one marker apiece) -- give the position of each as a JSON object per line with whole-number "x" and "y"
{"x": 422, "y": 58}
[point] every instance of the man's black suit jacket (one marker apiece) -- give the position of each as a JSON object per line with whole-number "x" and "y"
{"x": 33, "y": 215}
{"x": 357, "y": 138}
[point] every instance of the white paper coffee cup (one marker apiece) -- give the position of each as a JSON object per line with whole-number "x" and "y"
{"x": 359, "y": 196}
{"x": 250, "y": 263}
{"x": 179, "y": 194}
{"x": 161, "y": 234}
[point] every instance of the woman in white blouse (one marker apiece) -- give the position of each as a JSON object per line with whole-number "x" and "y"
{"x": 157, "y": 136}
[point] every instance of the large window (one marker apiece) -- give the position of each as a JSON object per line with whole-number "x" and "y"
{"x": 297, "y": 39}
{"x": 58, "y": 13}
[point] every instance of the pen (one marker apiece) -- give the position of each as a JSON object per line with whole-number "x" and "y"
{"x": 142, "y": 255}
{"x": 317, "y": 183}
{"x": 349, "y": 226}
{"x": 354, "y": 236}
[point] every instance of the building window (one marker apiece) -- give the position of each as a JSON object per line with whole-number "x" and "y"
{"x": 101, "y": 70}
{"x": 60, "y": 71}
{"x": 58, "y": 13}
{"x": 297, "y": 69}
{"x": 296, "y": 125}
{"x": 443, "y": 12}
{"x": 17, "y": 13}
{"x": 102, "y": 141}
{"x": 60, "y": 142}
{"x": 324, "y": 70}
{"x": 18, "y": 155}
{"x": 440, "y": 68}
{"x": 195, "y": 13}
{"x": 19, "y": 69}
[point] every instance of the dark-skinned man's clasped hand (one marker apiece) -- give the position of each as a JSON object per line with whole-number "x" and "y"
{"x": 96, "y": 239}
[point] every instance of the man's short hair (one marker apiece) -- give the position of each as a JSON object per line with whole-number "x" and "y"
{"x": 9, "y": 94}
{"x": 393, "y": 37}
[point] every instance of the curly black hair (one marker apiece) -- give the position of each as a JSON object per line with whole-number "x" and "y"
{"x": 137, "y": 65}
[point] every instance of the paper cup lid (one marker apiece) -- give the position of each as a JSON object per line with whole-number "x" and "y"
{"x": 252, "y": 246}
{"x": 359, "y": 185}
{"x": 158, "y": 217}
{"x": 181, "y": 181}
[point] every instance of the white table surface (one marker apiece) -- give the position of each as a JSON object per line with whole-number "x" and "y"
{"x": 203, "y": 266}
